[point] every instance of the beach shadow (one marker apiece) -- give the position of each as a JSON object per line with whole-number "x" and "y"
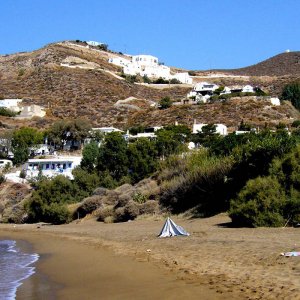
{"x": 227, "y": 225}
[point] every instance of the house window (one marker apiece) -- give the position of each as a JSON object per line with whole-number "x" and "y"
{"x": 53, "y": 166}
{"x": 47, "y": 166}
{"x": 64, "y": 166}
{"x": 70, "y": 165}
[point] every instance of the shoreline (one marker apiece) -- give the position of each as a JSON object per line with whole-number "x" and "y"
{"x": 215, "y": 262}
{"x": 77, "y": 269}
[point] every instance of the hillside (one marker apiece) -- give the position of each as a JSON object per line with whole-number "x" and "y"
{"x": 283, "y": 64}
{"x": 73, "y": 81}
{"x": 90, "y": 91}
{"x": 258, "y": 113}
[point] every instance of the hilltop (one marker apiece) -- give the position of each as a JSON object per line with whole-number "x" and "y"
{"x": 283, "y": 64}
{"x": 72, "y": 81}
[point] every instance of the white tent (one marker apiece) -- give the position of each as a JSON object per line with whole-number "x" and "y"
{"x": 171, "y": 229}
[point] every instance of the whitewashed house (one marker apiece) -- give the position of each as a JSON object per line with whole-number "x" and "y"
{"x": 94, "y": 43}
{"x": 183, "y": 77}
{"x": 5, "y": 162}
{"x": 41, "y": 149}
{"x": 148, "y": 65}
{"x": 52, "y": 167}
{"x": 30, "y": 111}
{"x": 148, "y": 133}
{"x": 11, "y": 104}
{"x": 275, "y": 101}
{"x": 119, "y": 61}
{"x": 220, "y": 128}
{"x": 205, "y": 88}
{"x": 248, "y": 89}
{"x": 202, "y": 91}
{"x": 225, "y": 91}
{"x": 106, "y": 129}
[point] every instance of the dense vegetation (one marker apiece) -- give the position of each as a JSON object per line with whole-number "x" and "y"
{"x": 254, "y": 176}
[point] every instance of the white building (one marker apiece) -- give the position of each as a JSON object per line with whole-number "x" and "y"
{"x": 220, "y": 128}
{"x": 202, "y": 91}
{"x": 30, "y": 111}
{"x": 248, "y": 89}
{"x": 93, "y": 43}
{"x": 183, "y": 77}
{"x": 275, "y": 101}
{"x": 41, "y": 149}
{"x": 106, "y": 129}
{"x": 11, "y": 104}
{"x": 5, "y": 162}
{"x": 52, "y": 167}
{"x": 119, "y": 61}
{"x": 225, "y": 91}
{"x": 148, "y": 65}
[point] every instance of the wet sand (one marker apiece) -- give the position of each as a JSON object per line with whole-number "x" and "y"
{"x": 90, "y": 260}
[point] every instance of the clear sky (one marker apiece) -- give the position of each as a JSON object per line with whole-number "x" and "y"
{"x": 191, "y": 34}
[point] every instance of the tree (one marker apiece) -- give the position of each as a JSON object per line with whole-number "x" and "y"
{"x": 165, "y": 103}
{"x": 244, "y": 126}
{"x": 207, "y": 136}
{"x": 73, "y": 131}
{"x": 291, "y": 92}
{"x": 142, "y": 159}
{"x": 168, "y": 142}
{"x": 112, "y": 156}
{"x": 260, "y": 203}
{"x": 22, "y": 140}
{"x": 89, "y": 156}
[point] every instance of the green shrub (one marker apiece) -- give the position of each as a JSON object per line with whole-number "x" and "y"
{"x": 23, "y": 174}
{"x": 202, "y": 184}
{"x": 260, "y": 203}
{"x": 165, "y": 102}
{"x": 296, "y": 124}
{"x": 175, "y": 81}
{"x": 139, "y": 198}
{"x": 7, "y": 113}
{"x": 56, "y": 213}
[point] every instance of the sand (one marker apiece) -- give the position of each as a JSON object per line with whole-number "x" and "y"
{"x": 89, "y": 259}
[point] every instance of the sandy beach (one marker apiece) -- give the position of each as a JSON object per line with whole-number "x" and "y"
{"x": 92, "y": 260}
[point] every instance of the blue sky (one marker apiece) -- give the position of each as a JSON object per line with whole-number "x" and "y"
{"x": 191, "y": 34}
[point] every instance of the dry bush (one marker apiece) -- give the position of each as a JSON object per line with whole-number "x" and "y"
{"x": 125, "y": 188}
{"x": 104, "y": 212}
{"x": 100, "y": 191}
{"x": 123, "y": 200}
{"x": 89, "y": 205}
{"x": 15, "y": 214}
{"x": 131, "y": 210}
{"x": 111, "y": 198}
{"x": 119, "y": 214}
{"x": 147, "y": 187}
{"x": 109, "y": 219}
{"x": 2, "y": 207}
{"x": 149, "y": 207}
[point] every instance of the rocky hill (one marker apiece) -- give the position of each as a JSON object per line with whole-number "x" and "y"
{"x": 287, "y": 63}
{"x": 72, "y": 81}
